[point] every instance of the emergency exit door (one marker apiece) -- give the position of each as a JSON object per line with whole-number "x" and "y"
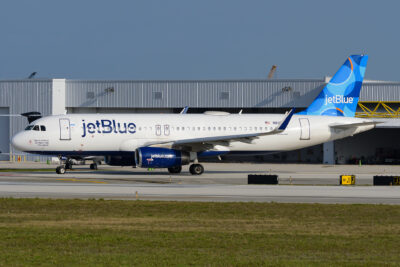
{"x": 65, "y": 130}
{"x": 304, "y": 129}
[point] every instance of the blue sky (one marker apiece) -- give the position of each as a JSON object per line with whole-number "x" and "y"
{"x": 207, "y": 39}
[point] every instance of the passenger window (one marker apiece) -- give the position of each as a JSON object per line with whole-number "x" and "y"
{"x": 209, "y": 128}
{"x": 245, "y": 128}
{"x": 42, "y": 128}
{"x": 224, "y": 128}
{"x": 219, "y": 128}
{"x": 198, "y": 128}
{"x": 36, "y": 128}
{"x": 214, "y": 128}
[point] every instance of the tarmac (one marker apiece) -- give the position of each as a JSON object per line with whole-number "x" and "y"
{"x": 298, "y": 183}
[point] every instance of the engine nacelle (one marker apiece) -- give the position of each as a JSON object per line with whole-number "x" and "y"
{"x": 156, "y": 157}
{"x": 120, "y": 160}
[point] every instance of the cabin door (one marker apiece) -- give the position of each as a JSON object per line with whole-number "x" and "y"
{"x": 305, "y": 129}
{"x": 65, "y": 130}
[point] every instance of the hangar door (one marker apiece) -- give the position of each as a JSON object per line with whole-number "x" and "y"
{"x": 4, "y": 134}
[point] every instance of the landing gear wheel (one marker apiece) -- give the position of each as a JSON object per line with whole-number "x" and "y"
{"x": 60, "y": 169}
{"x": 196, "y": 169}
{"x": 93, "y": 166}
{"x": 176, "y": 169}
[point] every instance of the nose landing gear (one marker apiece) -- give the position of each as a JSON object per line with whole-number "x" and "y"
{"x": 60, "y": 169}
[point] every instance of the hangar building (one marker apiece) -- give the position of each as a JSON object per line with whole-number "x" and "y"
{"x": 379, "y": 99}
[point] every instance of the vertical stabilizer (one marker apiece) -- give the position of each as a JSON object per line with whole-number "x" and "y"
{"x": 340, "y": 96}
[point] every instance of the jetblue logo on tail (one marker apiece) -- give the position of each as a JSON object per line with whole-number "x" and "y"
{"x": 338, "y": 99}
{"x": 340, "y": 96}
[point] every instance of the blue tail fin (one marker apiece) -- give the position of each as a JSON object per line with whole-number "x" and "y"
{"x": 340, "y": 96}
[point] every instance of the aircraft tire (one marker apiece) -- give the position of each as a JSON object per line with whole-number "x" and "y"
{"x": 196, "y": 169}
{"x": 176, "y": 169}
{"x": 60, "y": 170}
{"x": 93, "y": 166}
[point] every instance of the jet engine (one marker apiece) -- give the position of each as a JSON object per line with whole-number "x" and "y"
{"x": 156, "y": 157}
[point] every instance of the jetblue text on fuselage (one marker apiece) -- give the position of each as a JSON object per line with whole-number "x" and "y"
{"x": 338, "y": 99}
{"x": 108, "y": 127}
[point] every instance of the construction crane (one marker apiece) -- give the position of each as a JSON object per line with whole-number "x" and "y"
{"x": 272, "y": 72}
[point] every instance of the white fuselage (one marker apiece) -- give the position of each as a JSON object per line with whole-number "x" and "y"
{"x": 102, "y": 134}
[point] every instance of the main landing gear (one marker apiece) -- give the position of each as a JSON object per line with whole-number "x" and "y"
{"x": 196, "y": 169}
{"x": 93, "y": 166}
{"x": 175, "y": 169}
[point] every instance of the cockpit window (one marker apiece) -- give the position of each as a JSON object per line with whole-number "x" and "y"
{"x": 35, "y": 128}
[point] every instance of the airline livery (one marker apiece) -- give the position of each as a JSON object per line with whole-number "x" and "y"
{"x": 172, "y": 140}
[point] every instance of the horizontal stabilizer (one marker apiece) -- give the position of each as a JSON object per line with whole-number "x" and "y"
{"x": 353, "y": 125}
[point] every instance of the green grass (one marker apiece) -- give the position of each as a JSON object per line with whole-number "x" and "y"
{"x": 147, "y": 233}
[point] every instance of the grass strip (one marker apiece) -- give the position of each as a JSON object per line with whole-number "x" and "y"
{"x": 151, "y": 233}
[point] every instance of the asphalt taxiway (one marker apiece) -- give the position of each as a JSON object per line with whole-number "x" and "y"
{"x": 304, "y": 183}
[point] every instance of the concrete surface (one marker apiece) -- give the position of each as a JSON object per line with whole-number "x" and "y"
{"x": 221, "y": 182}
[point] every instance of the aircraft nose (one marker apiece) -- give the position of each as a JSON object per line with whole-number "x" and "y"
{"x": 17, "y": 141}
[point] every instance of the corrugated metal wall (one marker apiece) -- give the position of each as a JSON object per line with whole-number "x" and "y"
{"x": 209, "y": 94}
{"x": 23, "y": 96}
{"x": 198, "y": 94}
{"x": 380, "y": 92}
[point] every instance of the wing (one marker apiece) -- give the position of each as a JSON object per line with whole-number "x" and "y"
{"x": 205, "y": 143}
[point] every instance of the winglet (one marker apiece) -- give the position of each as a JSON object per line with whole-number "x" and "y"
{"x": 286, "y": 120}
{"x": 184, "y": 110}
{"x": 32, "y": 116}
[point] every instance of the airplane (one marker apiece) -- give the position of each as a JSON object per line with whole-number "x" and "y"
{"x": 172, "y": 140}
